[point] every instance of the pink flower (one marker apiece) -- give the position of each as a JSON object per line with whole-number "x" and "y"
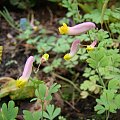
{"x": 26, "y": 72}
{"x": 77, "y": 29}
{"x": 73, "y": 50}
{"x": 92, "y": 46}
{"x": 28, "y": 68}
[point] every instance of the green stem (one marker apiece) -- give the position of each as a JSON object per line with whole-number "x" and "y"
{"x": 107, "y": 115}
{"x": 38, "y": 68}
{"x": 42, "y": 109}
{"x": 70, "y": 82}
{"x": 67, "y": 80}
{"x": 100, "y": 78}
{"x": 107, "y": 29}
{"x": 103, "y": 11}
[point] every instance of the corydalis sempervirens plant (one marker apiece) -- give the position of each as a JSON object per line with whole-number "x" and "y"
{"x": 73, "y": 50}
{"x": 92, "y": 46}
{"x": 26, "y": 72}
{"x": 77, "y": 29}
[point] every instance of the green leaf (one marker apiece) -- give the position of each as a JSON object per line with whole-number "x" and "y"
{"x": 104, "y": 61}
{"x": 10, "y": 112}
{"x": 42, "y": 91}
{"x": 107, "y": 102}
{"x": 117, "y": 101}
{"x": 4, "y": 111}
{"x": 37, "y": 93}
{"x": 85, "y": 85}
{"x": 92, "y": 63}
{"x": 95, "y": 15}
{"x": 1, "y": 118}
{"x": 100, "y": 109}
{"x": 99, "y": 58}
{"x": 115, "y": 27}
{"x": 51, "y": 112}
{"x": 113, "y": 84}
{"x": 48, "y": 69}
{"x": 56, "y": 112}
{"x": 56, "y": 63}
{"x": 49, "y": 97}
{"x": 54, "y": 88}
{"x": 45, "y": 114}
{"x": 27, "y": 115}
{"x": 32, "y": 116}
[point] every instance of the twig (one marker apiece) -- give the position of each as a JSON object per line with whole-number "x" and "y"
{"x": 51, "y": 15}
{"x": 73, "y": 94}
{"x": 72, "y": 106}
{"x": 67, "y": 80}
{"x": 103, "y": 11}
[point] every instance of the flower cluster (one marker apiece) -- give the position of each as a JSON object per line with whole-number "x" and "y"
{"x": 77, "y": 30}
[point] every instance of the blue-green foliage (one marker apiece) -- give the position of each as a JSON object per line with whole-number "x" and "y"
{"x": 32, "y": 116}
{"x": 109, "y": 101}
{"x": 9, "y": 112}
{"x": 51, "y": 112}
{"x": 23, "y": 4}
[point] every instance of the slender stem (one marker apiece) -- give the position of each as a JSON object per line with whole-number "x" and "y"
{"x": 38, "y": 68}
{"x": 73, "y": 94}
{"x": 100, "y": 78}
{"x": 67, "y": 80}
{"x": 103, "y": 11}
{"x": 107, "y": 27}
{"x": 70, "y": 82}
{"x": 107, "y": 115}
{"x": 42, "y": 109}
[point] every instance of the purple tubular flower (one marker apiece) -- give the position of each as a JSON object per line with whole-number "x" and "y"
{"x": 80, "y": 28}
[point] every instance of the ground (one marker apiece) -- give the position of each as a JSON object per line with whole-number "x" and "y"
{"x": 48, "y": 14}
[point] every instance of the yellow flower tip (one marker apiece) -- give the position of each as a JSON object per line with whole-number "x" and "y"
{"x": 20, "y": 83}
{"x": 89, "y": 48}
{"x": 45, "y": 56}
{"x": 63, "y": 29}
{"x": 67, "y": 57}
{"x": 35, "y": 28}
